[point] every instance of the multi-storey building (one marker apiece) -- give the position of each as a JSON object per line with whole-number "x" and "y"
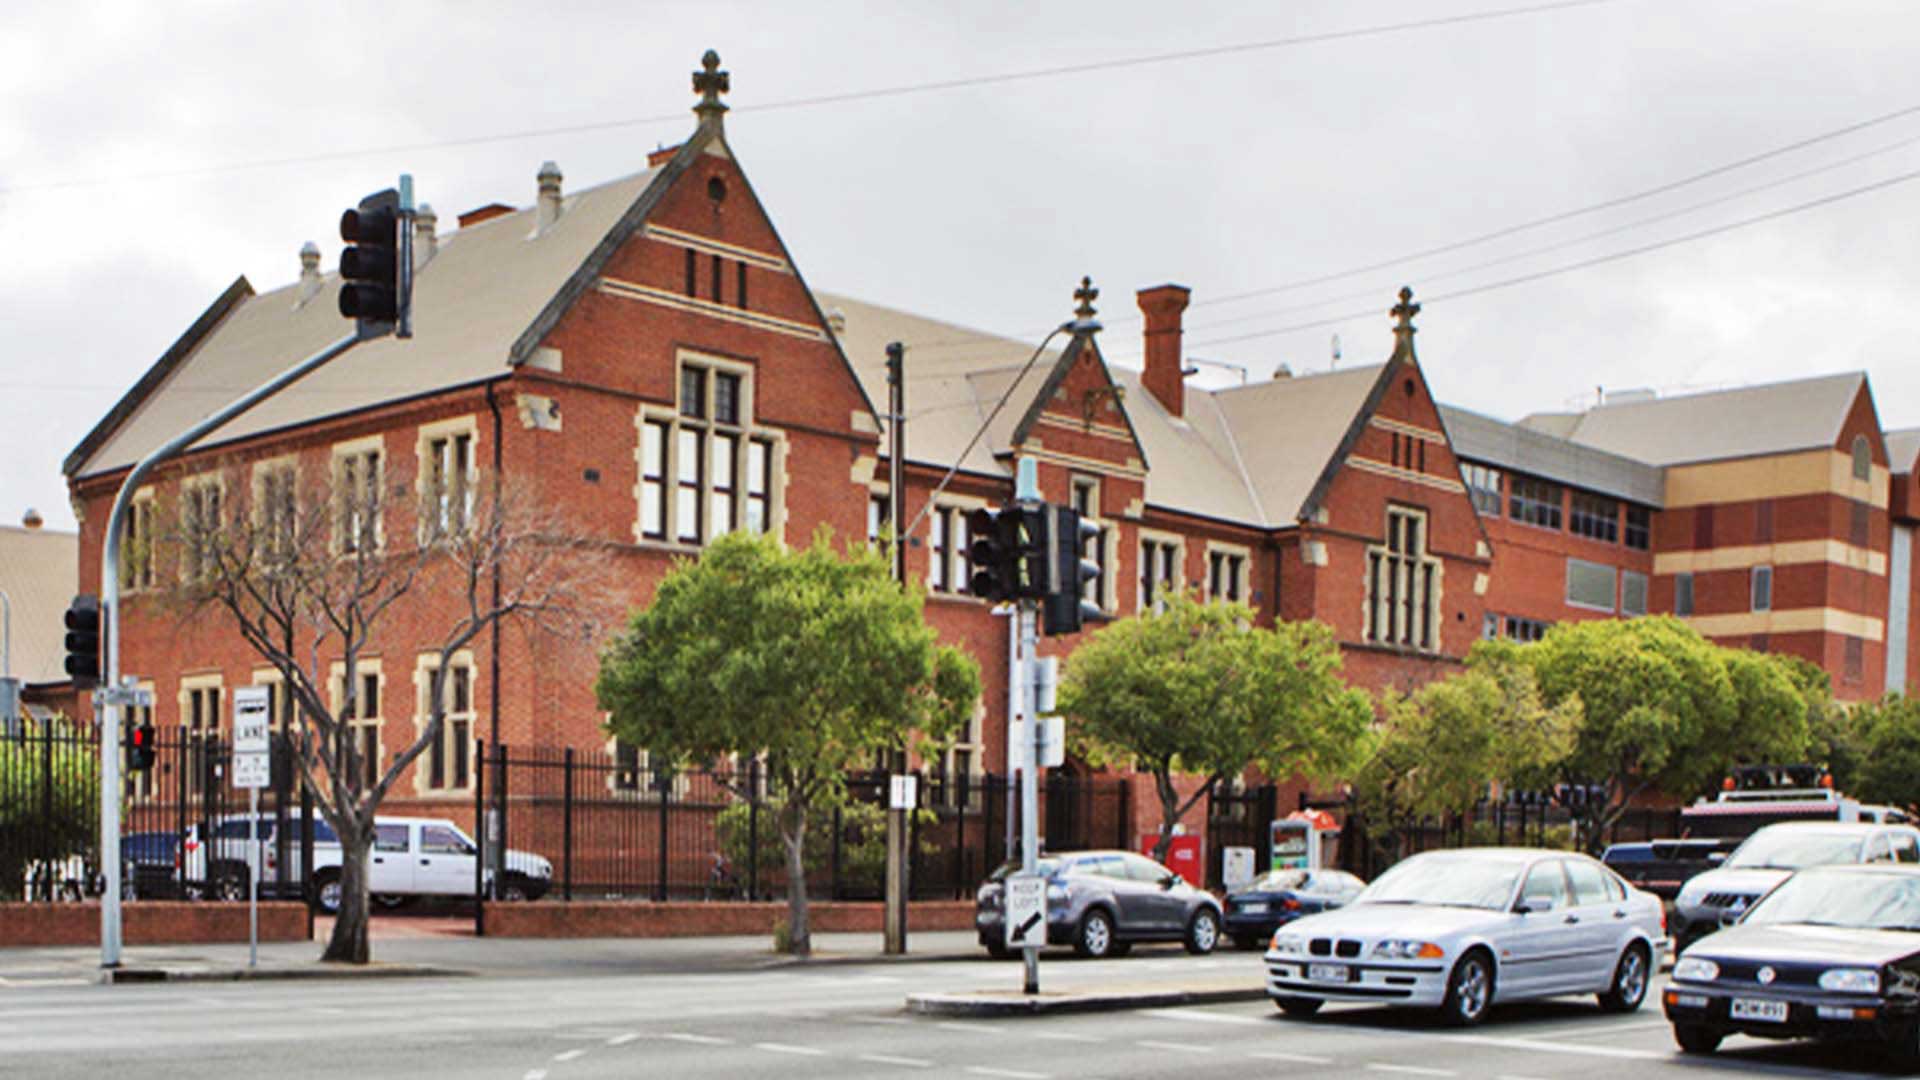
{"x": 648, "y": 356}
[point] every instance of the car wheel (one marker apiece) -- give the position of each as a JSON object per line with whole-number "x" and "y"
{"x": 391, "y": 902}
{"x": 1629, "y": 986}
{"x": 1469, "y": 991}
{"x": 1295, "y": 1006}
{"x": 1694, "y": 1039}
{"x": 229, "y": 885}
{"x": 1094, "y": 936}
{"x": 326, "y": 892}
{"x": 1246, "y": 942}
{"x": 1203, "y": 932}
{"x": 512, "y": 888}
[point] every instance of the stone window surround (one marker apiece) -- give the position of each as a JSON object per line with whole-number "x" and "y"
{"x": 424, "y": 666}
{"x": 748, "y": 431}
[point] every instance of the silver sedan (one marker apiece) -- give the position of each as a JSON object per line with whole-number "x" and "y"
{"x": 1462, "y": 930}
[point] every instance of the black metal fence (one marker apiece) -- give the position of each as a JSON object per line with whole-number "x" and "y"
{"x": 615, "y": 827}
{"x": 183, "y": 826}
{"x": 1367, "y": 848}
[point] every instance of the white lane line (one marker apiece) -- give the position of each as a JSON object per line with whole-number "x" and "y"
{"x": 891, "y": 1021}
{"x": 1561, "y": 1048}
{"x": 535, "y": 1074}
{"x": 568, "y": 1055}
{"x": 699, "y": 1040}
{"x": 889, "y": 1059}
{"x": 1297, "y": 1059}
{"x": 1409, "y": 1070}
{"x": 1178, "y": 1048}
{"x": 1065, "y": 1036}
{"x": 1597, "y": 1032}
{"x": 958, "y": 1025}
{"x": 1206, "y": 1017}
{"x": 1010, "y": 1074}
{"x": 789, "y": 1048}
{"x": 622, "y": 1040}
{"x": 1509, "y": 1076}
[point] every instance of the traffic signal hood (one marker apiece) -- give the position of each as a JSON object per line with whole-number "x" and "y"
{"x": 375, "y": 282}
{"x": 83, "y": 642}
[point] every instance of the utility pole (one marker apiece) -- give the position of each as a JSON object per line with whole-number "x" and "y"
{"x": 900, "y": 793}
{"x": 1027, "y": 488}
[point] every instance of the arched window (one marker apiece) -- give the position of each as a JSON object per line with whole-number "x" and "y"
{"x": 1862, "y": 458}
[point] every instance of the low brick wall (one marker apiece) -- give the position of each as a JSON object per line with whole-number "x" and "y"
{"x": 152, "y": 922}
{"x": 589, "y": 919}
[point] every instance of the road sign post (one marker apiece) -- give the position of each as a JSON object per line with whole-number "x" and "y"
{"x": 253, "y": 770}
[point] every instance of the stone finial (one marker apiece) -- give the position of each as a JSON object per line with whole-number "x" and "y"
{"x": 710, "y": 82}
{"x": 32, "y": 519}
{"x": 310, "y": 279}
{"x": 1086, "y": 294}
{"x": 1403, "y": 313}
{"x": 547, "y": 206}
{"x": 426, "y": 235}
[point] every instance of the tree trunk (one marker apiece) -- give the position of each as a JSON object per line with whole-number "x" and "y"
{"x": 1169, "y": 816}
{"x": 348, "y": 944}
{"x": 793, "y": 831}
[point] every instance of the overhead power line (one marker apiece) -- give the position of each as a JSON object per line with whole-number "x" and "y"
{"x": 870, "y": 94}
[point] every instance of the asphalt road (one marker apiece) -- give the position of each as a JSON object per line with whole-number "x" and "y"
{"x": 839, "y": 1021}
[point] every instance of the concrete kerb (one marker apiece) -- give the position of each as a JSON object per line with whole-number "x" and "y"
{"x": 1013, "y": 1003}
{"x": 113, "y": 976}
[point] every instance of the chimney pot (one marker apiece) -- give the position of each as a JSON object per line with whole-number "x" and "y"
{"x": 32, "y": 519}
{"x": 426, "y": 235}
{"x": 310, "y": 280}
{"x": 1164, "y": 377}
{"x": 837, "y": 321}
{"x": 548, "y": 209}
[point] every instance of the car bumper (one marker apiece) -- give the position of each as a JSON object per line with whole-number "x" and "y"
{"x": 1244, "y": 924}
{"x": 1422, "y": 984}
{"x": 1826, "y": 1017}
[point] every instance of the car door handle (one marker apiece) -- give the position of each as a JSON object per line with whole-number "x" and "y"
{"x": 1571, "y": 919}
{"x": 378, "y": 859}
{"x": 1619, "y": 914}
{"x": 426, "y": 862}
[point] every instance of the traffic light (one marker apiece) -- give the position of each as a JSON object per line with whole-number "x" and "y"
{"x": 140, "y": 747}
{"x": 83, "y": 642}
{"x": 1066, "y": 606}
{"x": 992, "y": 560}
{"x": 375, "y": 281}
{"x": 1027, "y": 537}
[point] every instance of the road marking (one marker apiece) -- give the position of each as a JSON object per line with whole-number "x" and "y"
{"x": 569, "y": 1055}
{"x": 1508, "y": 1076}
{"x": 1298, "y": 1059}
{"x": 1065, "y": 1036}
{"x": 1010, "y": 1074}
{"x": 1178, "y": 1048}
{"x": 1206, "y": 1017}
{"x": 889, "y": 1020}
{"x": 888, "y": 1059}
{"x": 1409, "y": 1070}
{"x": 622, "y": 1040}
{"x": 789, "y": 1048}
{"x": 1597, "y": 1032}
{"x": 1561, "y": 1048}
{"x": 535, "y": 1074}
{"x": 702, "y": 1040}
{"x": 957, "y": 1025}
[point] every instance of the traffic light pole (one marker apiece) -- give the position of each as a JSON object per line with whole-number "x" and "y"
{"x": 1029, "y": 780}
{"x": 112, "y": 696}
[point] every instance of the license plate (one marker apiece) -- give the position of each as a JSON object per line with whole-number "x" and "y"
{"x": 1328, "y": 973}
{"x": 1772, "y": 1012}
{"x": 1258, "y": 908}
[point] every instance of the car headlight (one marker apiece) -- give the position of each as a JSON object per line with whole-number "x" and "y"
{"x": 1404, "y": 949}
{"x": 1850, "y": 980}
{"x": 1057, "y": 893}
{"x": 1286, "y": 944}
{"x": 1696, "y": 969}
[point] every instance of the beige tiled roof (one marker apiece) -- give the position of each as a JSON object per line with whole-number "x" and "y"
{"x": 482, "y": 289}
{"x": 39, "y": 572}
{"x": 1246, "y": 454}
{"x": 1771, "y": 419}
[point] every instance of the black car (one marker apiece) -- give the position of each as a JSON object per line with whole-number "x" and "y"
{"x": 1278, "y": 897}
{"x": 1833, "y": 952}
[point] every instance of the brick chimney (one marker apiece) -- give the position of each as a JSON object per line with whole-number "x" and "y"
{"x": 1162, "y": 306}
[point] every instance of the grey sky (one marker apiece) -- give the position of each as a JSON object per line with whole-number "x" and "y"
{"x": 984, "y": 205}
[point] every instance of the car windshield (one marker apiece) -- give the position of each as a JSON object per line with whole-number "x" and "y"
{"x": 1448, "y": 880}
{"x": 1277, "y": 880}
{"x": 1882, "y": 901}
{"x": 1042, "y": 867}
{"x": 1792, "y": 849}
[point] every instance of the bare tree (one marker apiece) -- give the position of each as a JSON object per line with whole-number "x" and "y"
{"x": 312, "y": 565}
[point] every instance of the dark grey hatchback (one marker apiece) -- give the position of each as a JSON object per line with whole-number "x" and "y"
{"x": 1101, "y": 902}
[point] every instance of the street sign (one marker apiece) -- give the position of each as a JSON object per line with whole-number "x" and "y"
{"x": 251, "y": 737}
{"x": 1051, "y": 753}
{"x": 903, "y": 793}
{"x": 1236, "y": 867}
{"x": 1026, "y": 922}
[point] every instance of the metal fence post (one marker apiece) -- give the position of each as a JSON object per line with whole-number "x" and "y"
{"x": 566, "y": 827}
{"x": 961, "y": 802}
{"x": 838, "y": 834}
{"x": 753, "y": 828}
{"x": 913, "y": 843}
{"x": 986, "y": 833}
{"x": 480, "y": 838}
{"x": 663, "y": 782}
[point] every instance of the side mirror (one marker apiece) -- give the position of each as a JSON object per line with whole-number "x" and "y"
{"x": 1522, "y": 907}
{"x": 1170, "y": 881}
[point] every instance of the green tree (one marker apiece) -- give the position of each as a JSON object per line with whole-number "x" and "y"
{"x": 49, "y": 804}
{"x": 1663, "y": 709}
{"x": 1199, "y": 689}
{"x": 1436, "y": 750}
{"x": 814, "y": 659}
{"x": 1888, "y": 739}
{"x": 863, "y": 844}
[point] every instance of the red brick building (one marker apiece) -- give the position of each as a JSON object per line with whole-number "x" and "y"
{"x": 648, "y": 355}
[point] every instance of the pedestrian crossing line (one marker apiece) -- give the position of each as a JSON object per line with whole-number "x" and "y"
{"x": 1296, "y": 1059}
{"x": 698, "y": 1040}
{"x": 1178, "y": 1048}
{"x": 1008, "y": 1074}
{"x": 889, "y": 1059}
{"x": 789, "y": 1048}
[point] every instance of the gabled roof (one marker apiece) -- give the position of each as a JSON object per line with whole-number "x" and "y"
{"x": 1903, "y": 447}
{"x": 1517, "y": 448}
{"x": 1777, "y": 418}
{"x": 1081, "y": 345}
{"x": 38, "y": 571}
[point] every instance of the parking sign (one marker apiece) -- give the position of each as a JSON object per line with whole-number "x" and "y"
{"x": 251, "y": 737}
